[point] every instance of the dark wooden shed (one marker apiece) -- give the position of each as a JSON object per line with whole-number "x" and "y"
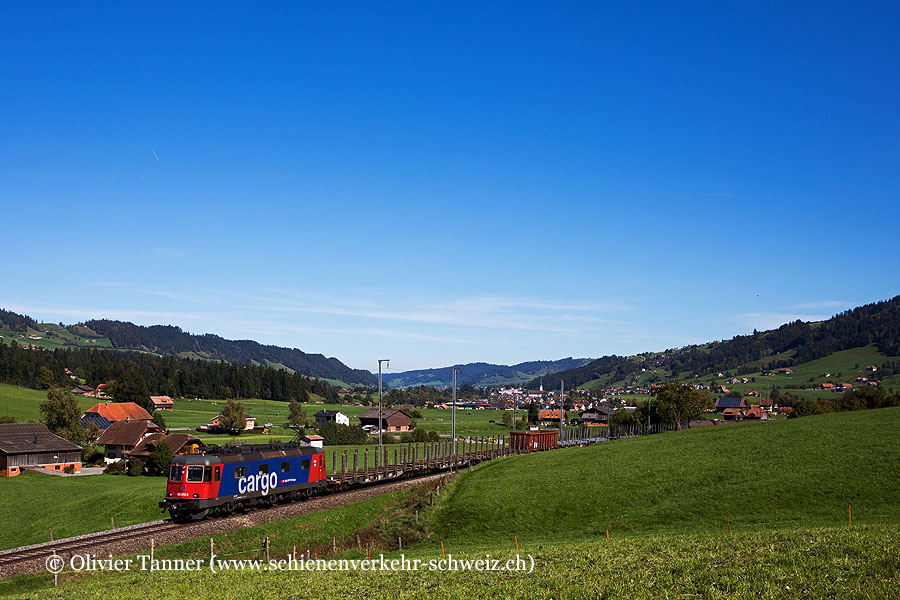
{"x": 32, "y": 445}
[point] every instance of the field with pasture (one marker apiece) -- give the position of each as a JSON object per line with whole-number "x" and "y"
{"x": 754, "y": 510}
{"x": 31, "y": 503}
{"x": 23, "y": 404}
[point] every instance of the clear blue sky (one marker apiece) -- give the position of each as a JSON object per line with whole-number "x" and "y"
{"x": 439, "y": 183}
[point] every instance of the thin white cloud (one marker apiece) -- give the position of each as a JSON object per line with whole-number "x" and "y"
{"x": 825, "y": 304}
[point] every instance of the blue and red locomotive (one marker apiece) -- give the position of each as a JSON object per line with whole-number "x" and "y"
{"x": 234, "y": 478}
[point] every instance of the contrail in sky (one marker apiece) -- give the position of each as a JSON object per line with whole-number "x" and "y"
{"x": 154, "y": 152}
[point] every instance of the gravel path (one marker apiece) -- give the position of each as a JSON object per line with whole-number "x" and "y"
{"x": 213, "y": 527}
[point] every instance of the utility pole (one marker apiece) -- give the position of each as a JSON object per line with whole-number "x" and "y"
{"x": 453, "y": 416}
{"x": 562, "y": 406}
{"x": 380, "y": 360}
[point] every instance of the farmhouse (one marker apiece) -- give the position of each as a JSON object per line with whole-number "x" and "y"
{"x": 392, "y": 419}
{"x": 32, "y": 445}
{"x": 216, "y": 423}
{"x": 124, "y": 436}
{"x": 550, "y": 417}
{"x": 593, "y": 418}
{"x": 179, "y": 443}
{"x": 313, "y": 441}
{"x": 756, "y": 413}
{"x": 162, "y": 402}
{"x": 117, "y": 411}
{"x": 723, "y": 403}
{"x": 732, "y": 414}
{"x": 331, "y": 416}
{"x": 82, "y": 390}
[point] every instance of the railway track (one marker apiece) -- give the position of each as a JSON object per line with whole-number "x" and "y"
{"x": 15, "y": 560}
{"x": 73, "y": 545}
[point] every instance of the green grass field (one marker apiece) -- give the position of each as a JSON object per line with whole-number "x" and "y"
{"x": 53, "y": 336}
{"x": 785, "y": 488}
{"x": 31, "y": 503}
{"x": 811, "y": 564}
{"x": 23, "y": 404}
{"x": 796, "y": 473}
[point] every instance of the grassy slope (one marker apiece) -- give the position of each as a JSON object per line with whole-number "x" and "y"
{"x": 53, "y": 336}
{"x": 801, "y": 472}
{"x": 32, "y": 502}
{"x": 23, "y": 403}
{"x": 844, "y": 362}
{"x": 811, "y": 564}
{"x": 784, "y": 485}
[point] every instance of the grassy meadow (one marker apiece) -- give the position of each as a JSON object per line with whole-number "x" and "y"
{"x": 23, "y": 404}
{"x": 31, "y": 503}
{"x": 785, "y": 487}
{"x": 811, "y": 564}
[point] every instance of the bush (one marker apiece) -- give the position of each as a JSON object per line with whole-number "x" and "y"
{"x": 70, "y": 469}
{"x": 91, "y": 455}
{"x": 341, "y": 435}
{"x": 135, "y": 467}
{"x": 116, "y": 468}
{"x": 158, "y": 463}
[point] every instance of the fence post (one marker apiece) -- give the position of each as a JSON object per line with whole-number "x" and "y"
{"x": 355, "y": 462}
{"x": 366, "y": 465}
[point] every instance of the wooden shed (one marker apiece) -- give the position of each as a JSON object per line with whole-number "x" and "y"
{"x": 32, "y": 445}
{"x": 532, "y": 441}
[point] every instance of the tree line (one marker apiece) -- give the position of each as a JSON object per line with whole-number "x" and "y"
{"x": 177, "y": 377}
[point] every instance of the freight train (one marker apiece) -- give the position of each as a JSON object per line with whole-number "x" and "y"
{"x": 236, "y": 478}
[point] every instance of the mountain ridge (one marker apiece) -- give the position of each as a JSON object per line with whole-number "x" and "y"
{"x": 790, "y": 344}
{"x": 481, "y": 374}
{"x": 171, "y": 340}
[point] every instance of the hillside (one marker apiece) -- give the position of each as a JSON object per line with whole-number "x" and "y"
{"x": 482, "y": 374}
{"x": 786, "y": 474}
{"x": 790, "y": 345}
{"x": 785, "y": 488}
{"x": 168, "y": 340}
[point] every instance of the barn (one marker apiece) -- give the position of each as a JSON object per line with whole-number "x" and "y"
{"x": 32, "y": 445}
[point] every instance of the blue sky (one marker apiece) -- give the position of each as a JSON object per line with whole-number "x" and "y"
{"x": 445, "y": 183}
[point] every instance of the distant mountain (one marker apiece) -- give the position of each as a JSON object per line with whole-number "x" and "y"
{"x": 481, "y": 374}
{"x": 789, "y": 345}
{"x": 168, "y": 340}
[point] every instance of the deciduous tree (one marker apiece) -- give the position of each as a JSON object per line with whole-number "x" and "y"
{"x": 679, "y": 403}
{"x": 61, "y": 415}
{"x": 232, "y": 417}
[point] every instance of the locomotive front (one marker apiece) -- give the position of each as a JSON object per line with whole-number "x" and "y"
{"x": 193, "y": 486}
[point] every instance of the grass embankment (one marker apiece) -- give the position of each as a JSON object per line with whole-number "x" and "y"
{"x": 31, "y": 503}
{"x": 817, "y": 563}
{"x": 797, "y": 473}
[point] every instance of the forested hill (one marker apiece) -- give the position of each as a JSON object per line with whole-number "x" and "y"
{"x": 168, "y": 340}
{"x": 481, "y": 374}
{"x": 789, "y": 345}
